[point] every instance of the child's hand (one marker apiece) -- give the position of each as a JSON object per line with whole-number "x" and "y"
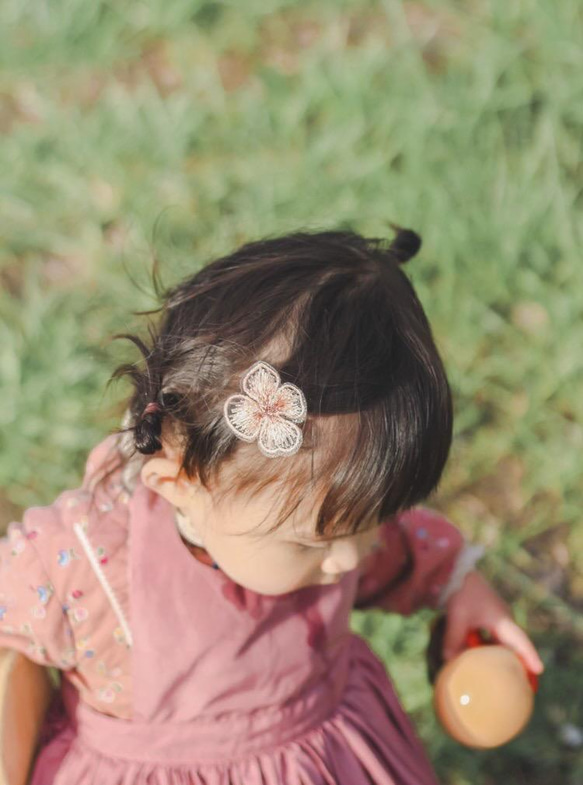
{"x": 476, "y": 604}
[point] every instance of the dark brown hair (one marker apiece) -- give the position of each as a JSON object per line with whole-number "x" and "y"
{"x": 335, "y": 314}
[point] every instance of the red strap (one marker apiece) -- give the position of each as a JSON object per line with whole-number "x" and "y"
{"x": 476, "y": 638}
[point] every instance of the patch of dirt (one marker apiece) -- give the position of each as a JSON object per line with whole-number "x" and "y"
{"x": 8, "y": 512}
{"x": 21, "y": 104}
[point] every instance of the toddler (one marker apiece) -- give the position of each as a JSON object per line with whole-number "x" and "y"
{"x": 288, "y": 415}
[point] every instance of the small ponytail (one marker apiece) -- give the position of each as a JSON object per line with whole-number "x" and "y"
{"x": 405, "y": 245}
{"x": 148, "y": 429}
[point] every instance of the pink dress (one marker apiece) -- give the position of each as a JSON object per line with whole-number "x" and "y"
{"x": 173, "y": 674}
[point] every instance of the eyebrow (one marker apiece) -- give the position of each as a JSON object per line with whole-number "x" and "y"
{"x": 310, "y": 538}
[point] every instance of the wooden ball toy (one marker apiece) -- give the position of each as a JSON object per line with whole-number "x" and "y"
{"x": 483, "y": 697}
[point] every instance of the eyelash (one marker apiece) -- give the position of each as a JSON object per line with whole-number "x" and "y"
{"x": 311, "y": 547}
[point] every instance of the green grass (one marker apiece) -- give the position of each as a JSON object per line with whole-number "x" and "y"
{"x": 184, "y": 128}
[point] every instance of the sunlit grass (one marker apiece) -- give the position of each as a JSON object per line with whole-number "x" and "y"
{"x": 184, "y": 128}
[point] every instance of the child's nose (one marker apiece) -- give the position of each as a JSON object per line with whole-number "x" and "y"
{"x": 343, "y": 557}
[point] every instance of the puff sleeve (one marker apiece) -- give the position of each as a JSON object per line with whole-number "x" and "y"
{"x": 420, "y": 560}
{"x": 32, "y": 619}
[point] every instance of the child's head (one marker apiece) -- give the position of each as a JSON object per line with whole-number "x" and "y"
{"x": 336, "y": 316}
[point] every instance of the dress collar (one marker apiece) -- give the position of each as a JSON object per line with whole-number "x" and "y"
{"x": 195, "y": 543}
{"x": 186, "y": 529}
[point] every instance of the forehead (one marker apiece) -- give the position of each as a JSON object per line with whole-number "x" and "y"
{"x": 262, "y": 493}
{"x": 256, "y": 516}
{"x": 269, "y": 511}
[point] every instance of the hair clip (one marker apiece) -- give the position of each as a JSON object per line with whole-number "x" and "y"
{"x": 267, "y": 411}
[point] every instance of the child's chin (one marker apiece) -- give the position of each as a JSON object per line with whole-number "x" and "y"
{"x": 331, "y": 579}
{"x": 278, "y": 592}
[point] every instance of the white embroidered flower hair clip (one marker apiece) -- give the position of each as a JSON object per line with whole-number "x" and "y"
{"x": 267, "y": 411}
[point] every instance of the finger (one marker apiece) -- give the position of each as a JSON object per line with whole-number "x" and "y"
{"x": 510, "y": 634}
{"x": 454, "y": 638}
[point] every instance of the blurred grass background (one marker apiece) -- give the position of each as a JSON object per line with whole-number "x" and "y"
{"x": 181, "y": 129}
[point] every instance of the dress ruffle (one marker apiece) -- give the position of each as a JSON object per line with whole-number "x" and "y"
{"x": 367, "y": 739}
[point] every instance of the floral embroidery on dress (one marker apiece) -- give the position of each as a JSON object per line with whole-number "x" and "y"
{"x": 45, "y": 592}
{"x": 113, "y": 673}
{"x": 422, "y": 534}
{"x": 66, "y": 556}
{"x": 71, "y": 598}
{"x": 109, "y": 691}
{"x": 72, "y": 610}
{"x": 77, "y": 615}
{"x": 82, "y": 645}
{"x": 119, "y": 636}
{"x": 101, "y": 555}
{"x": 6, "y": 603}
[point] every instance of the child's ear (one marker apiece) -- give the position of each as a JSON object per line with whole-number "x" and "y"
{"x": 161, "y": 475}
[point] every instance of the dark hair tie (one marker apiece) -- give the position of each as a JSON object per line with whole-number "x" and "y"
{"x": 148, "y": 429}
{"x": 151, "y": 407}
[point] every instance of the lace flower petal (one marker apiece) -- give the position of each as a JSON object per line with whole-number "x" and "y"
{"x": 279, "y": 437}
{"x": 289, "y": 401}
{"x": 261, "y": 382}
{"x": 265, "y": 410}
{"x": 243, "y": 416}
